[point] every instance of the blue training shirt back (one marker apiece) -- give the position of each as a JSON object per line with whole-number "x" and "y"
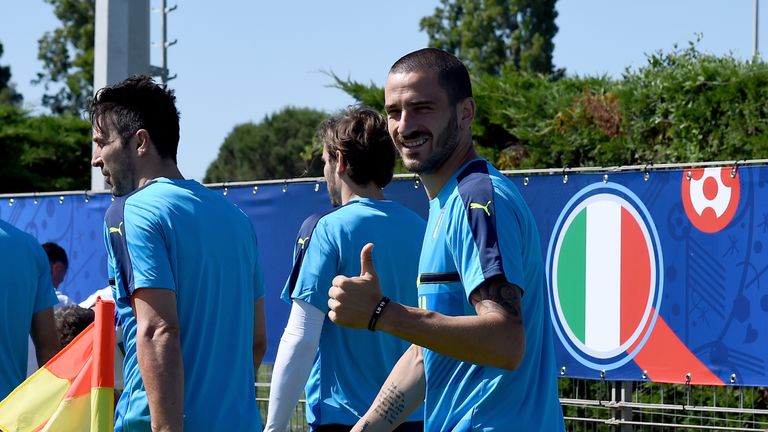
{"x": 179, "y": 235}
{"x": 351, "y": 365}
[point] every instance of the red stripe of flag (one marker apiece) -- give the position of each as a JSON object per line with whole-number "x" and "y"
{"x": 635, "y": 275}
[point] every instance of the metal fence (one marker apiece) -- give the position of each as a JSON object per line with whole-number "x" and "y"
{"x": 591, "y": 405}
{"x": 623, "y": 406}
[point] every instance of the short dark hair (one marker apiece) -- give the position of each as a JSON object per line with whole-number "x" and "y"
{"x": 55, "y": 253}
{"x": 139, "y": 103}
{"x": 452, "y": 75}
{"x": 361, "y": 135}
{"x": 71, "y": 320}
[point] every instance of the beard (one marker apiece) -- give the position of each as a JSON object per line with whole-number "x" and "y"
{"x": 443, "y": 148}
{"x": 334, "y": 192}
{"x": 121, "y": 178}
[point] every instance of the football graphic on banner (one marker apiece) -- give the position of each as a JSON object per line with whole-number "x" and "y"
{"x": 710, "y": 197}
{"x": 602, "y": 269}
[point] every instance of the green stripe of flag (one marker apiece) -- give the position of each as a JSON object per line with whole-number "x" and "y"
{"x": 572, "y": 275}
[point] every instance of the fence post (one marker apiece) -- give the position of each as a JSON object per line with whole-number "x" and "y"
{"x": 621, "y": 391}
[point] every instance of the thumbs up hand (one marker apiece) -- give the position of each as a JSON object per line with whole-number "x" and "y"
{"x": 352, "y": 300}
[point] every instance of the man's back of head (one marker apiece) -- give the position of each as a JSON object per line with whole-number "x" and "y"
{"x": 360, "y": 135}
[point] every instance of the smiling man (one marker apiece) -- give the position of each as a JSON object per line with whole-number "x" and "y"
{"x": 184, "y": 271}
{"x": 482, "y": 356}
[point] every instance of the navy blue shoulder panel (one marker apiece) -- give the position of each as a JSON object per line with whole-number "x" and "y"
{"x": 115, "y": 218}
{"x": 476, "y": 191}
{"x": 302, "y": 243}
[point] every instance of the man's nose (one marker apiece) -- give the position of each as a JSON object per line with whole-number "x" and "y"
{"x": 407, "y": 124}
{"x": 96, "y": 157}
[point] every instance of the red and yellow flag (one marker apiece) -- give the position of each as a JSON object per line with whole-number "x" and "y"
{"x": 74, "y": 390}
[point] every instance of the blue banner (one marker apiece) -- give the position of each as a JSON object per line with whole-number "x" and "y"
{"x": 655, "y": 276}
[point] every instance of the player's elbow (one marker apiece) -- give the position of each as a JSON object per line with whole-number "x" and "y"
{"x": 512, "y": 352}
{"x": 514, "y": 359}
{"x": 158, "y": 332}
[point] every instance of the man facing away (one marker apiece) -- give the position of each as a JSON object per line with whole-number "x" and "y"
{"x": 57, "y": 258}
{"x": 27, "y": 298}
{"x": 349, "y": 365}
{"x": 185, "y": 274}
{"x": 59, "y": 264}
{"x": 482, "y": 351}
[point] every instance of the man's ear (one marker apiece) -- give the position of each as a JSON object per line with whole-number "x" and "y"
{"x": 341, "y": 163}
{"x": 142, "y": 142}
{"x": 465, "y": 112}
{"x": 57, "y": 266}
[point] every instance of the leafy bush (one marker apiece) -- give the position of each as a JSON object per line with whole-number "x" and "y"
{"x": 44, "y": 153}
{"x": 682, "y": 106}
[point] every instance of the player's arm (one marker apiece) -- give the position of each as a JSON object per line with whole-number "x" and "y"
{"x": 293, "y": 363}
{"x": 494, "y": 337}
{"x": 259, "y": 333}
{"x": 400, "y": 395}
{"x": 158, "y": 349}
{"x": 44, "y": 335}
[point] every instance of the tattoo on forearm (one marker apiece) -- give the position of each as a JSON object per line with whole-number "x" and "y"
{"x": 365, "y": 426}
{"x": 391, "y": 403}
{"x": 499, "y": 295}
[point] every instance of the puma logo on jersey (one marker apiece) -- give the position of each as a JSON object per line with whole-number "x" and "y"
{"x": 474, "y": 205}
{"x": 303, "y": 241}
{"x": 117, "y": 229}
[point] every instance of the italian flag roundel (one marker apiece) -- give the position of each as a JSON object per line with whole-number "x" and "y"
{"x": 603, "y": 276}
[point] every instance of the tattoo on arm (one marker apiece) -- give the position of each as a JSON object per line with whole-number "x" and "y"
{"x": 391, "y": 403}
{"x": 365, "y": 426}
{"x": 498, "y": 295}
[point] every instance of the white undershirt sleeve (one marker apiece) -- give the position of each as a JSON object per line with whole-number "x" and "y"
{"x": 293, "y": 363}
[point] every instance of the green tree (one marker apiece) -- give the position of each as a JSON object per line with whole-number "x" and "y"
{"x": 45, "y": 153}
{"x": 681, "y": 106}
{"x": 490, "y": 35}
{"x": 67, "y": 56}
{"x": 8, "y": 94}
{"x": 271, "y": 149}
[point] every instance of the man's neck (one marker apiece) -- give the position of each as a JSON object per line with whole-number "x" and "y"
{"x": 164, "y": 168}
{"x": 351, "y": 190}
{"x": 433, "y": 182}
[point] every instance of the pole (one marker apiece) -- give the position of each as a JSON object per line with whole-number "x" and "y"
{"x": 755, "y": 46}
{"x": 163, "y": 46}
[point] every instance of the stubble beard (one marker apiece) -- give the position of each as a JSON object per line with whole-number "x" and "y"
{"x": 122, "y": 179}
{"x": 443, "y": 148}
{"x": 334, "y": 193}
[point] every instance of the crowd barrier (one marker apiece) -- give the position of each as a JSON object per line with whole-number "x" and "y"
{"x": 654, "y": 274}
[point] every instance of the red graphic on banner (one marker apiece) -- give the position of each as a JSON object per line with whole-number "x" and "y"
{"x": 710, "y": 197}
{"x": 665, "y": 358}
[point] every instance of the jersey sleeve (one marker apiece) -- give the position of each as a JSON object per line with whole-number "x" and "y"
{"x": 46, "y": 295}
{"x": 148, "y": 250}
{"x": 315, "y": 266}
{"x": 484, "y": 236}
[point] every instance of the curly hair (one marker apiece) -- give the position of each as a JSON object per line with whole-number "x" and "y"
{"x": 71, "y": 320}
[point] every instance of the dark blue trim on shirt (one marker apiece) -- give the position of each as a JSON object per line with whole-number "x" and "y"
{"x": 115, "y": 219}
{"x": 439, "y": 278}
{"x": 302, "y": 243}
{"x": 476, "y": 191}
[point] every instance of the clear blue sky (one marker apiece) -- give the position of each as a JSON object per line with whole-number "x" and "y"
{"x": 240, "y": 60}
